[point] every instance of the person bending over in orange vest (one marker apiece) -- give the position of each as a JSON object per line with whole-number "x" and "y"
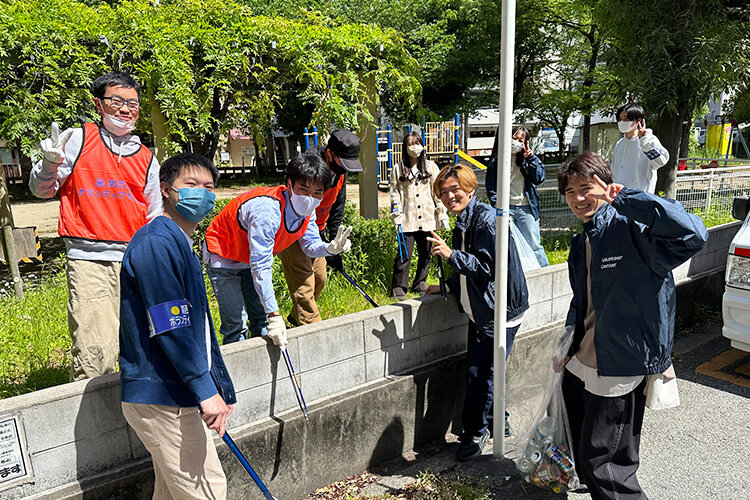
{"x": 307, "y": 276}
{"x": 109, "y": 188}
{"x": 242, "y": 240}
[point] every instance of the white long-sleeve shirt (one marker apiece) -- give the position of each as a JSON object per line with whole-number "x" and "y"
{"x": 47, "y": 179}
{"x": 635, "y": 161}
{"x": 262, "y": 218}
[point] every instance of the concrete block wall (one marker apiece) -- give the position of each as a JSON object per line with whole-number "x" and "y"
{"x": 713, "y": 255}
{"x": 77, "y": 435}
{"x": 76, "y": 431}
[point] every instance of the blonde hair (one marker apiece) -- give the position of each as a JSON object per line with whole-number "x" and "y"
{"x": 464, "y": 174}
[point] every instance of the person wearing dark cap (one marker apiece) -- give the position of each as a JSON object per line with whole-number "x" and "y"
{"x": 306, "y": 276}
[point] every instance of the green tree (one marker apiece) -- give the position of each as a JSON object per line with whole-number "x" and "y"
{"x": 206, "y": 66}
{"x": 50, "y": 51}
{"x": 594, "y": 87}
{"x": 672, "y": 55}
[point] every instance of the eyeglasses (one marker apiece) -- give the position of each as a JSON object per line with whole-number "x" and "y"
{"x": 118, "y": 102}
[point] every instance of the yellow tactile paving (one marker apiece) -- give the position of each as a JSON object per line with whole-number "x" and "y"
{"x": 738, "y": 376}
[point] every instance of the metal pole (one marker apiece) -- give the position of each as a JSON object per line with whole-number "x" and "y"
{"x": 377, "y": 155}
{"x": 307, "y": 139}
{"x": 315, "y": 135}
{"x": 507, "y": 40}
{"x": 455, "y": 138}
{"x": 238, "y": 454}
{"x": 390, "y": 154}
{"x": 359, "y": 289}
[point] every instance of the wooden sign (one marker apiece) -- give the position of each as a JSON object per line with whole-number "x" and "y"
{"x": 26, "y": 243}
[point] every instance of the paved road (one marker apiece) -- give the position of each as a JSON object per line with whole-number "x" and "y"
{"x": 697, "y": 451}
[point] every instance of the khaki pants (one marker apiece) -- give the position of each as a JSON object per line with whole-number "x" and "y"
{"x": 94, "y": 316}
{"x": 183, "y": 453}
{"x": 305, "y": 278}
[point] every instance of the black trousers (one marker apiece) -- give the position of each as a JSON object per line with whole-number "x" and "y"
{"x": 606, "y": 435}
{"x": 401, "y": 265}
{"x": 480, "y": 384}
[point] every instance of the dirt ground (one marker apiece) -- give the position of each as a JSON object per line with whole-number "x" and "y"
{"x": 43, "y": 213}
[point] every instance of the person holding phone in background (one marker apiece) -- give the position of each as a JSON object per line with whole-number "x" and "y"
{"x": 639, "y": 153}
{"x": 528, "y": 172}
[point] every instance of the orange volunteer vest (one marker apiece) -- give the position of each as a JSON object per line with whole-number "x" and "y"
{"x": 101, "y": 199}
{"x": 324, "y": 209}
{"x": 227, "y": 237}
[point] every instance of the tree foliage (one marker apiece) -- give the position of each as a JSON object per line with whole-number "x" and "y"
{"x": 207, "y": 66}
{"x": 48, "y": 58}
{"x": 672, "y": 55}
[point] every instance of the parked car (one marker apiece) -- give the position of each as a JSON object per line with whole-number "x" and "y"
{"x": 735, "y": 306}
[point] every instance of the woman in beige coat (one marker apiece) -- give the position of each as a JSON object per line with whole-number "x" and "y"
{"x": 415, "y": 208}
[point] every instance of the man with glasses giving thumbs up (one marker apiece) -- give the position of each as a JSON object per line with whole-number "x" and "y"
{"x": 109, "y": 188}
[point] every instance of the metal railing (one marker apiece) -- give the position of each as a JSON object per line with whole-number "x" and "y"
{"x": 705, "y": 163}
{"x": 707, "y": 193}
{"x": 711, "y": 191}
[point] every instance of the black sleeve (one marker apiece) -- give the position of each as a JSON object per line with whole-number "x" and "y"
{"x": 337, "y": 213}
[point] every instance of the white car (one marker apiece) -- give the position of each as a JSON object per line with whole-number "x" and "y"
{"x": 736, "y": 301}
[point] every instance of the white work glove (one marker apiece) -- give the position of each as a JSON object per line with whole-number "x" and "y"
{"x": 397, "y": 218}
{"x": 340, "y": 243}
{"x": 444, "y": 224}
{"x": 53, "y": 147}
{"x": 277, "y": 331}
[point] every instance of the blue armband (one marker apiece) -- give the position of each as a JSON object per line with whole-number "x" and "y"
{"x": 168, "y": 316}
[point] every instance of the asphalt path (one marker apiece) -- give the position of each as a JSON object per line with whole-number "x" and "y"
{"x": 697, "y": 451}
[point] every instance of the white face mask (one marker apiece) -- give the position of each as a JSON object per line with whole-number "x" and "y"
{"x": 303, "y": 205}
{"x": 625, "y": 126}
{"x": 116, "y": 126}
{"x": 515, "y": 146}
{"x": 415, "y": 150}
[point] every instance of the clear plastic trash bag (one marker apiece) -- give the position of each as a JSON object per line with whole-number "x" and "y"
{"x": 541, "y": 445}
{"x": 525, "y": 253}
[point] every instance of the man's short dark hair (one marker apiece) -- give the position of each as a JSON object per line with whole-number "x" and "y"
{"x": 171, "y": 167}
{"x": 309, "y": 167}
{"x": 634, "y": 111}
{"x": 114, "y": 79}
{"x": 585, "y": 165}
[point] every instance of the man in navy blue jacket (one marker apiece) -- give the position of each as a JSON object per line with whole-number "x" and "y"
{"x": 175, "y": 386}
{"x": 473, "y": 281}
{"x": 622, "y": 316}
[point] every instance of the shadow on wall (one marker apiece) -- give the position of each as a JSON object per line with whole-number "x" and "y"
{"x": 437, "y": 399}
{"x": 103, "y": 440}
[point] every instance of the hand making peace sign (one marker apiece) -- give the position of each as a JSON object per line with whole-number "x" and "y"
{"x": 527, "y": 151}
{"x": 610, "y": 191}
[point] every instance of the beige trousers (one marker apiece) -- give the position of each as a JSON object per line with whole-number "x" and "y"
{"x": 94, "y": 316}
{"x": 186, "y": 464}
{"x": 305, "y": 278}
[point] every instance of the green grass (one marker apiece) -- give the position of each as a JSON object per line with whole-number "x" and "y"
{"x": 34, "y": 338}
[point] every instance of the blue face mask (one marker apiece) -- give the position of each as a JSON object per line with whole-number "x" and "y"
{"x": 194, "y": 203}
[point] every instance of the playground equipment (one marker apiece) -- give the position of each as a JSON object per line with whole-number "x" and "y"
{"x": 440, "y": 139}
{"x": 313, "y": 134}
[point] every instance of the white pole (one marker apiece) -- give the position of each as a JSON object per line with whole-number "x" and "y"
{"x": 507, "y": 41}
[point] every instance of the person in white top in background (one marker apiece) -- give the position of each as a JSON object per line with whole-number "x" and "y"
{"x": 639, "y": 153}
